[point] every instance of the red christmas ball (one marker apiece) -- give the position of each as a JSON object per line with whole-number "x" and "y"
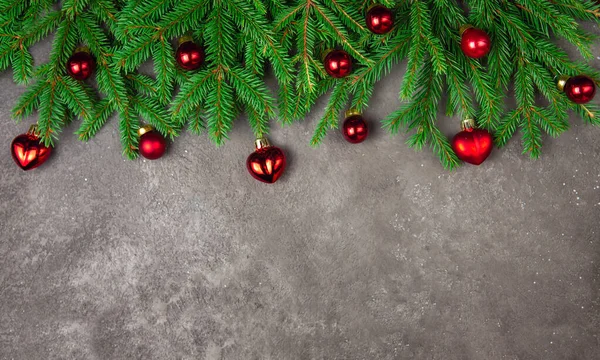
{"x": 266, "y": 163}
{"x": 475, "y": 43}
{"x": 28, "y": 152}
{"x": 152, "y": 145}
{"x": 338, "y": 63}
{"x": 355, "y": 129}
{"x": 81, "y": 65}
{"x": 380, "y": 20}
{"x": 189, "y": 55}
{"x": 473, "y": 145}
{"x": 580, "y": 89}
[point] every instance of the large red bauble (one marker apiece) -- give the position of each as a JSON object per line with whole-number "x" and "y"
{"x": 81, "y": 65}
{"x": 473, "y": 145}
{"x": 28, "y": 152}
{"x": 152, "y": 145}
{"x": 580, "y": 89}
{"x": 189, "y": 55}
{"x": 475, "y": 43}
{"x": 380, "y": 20}
{"x": 338, "y": 63}
{"x": 355, "y": 129}
{"x": 266, "y": 164}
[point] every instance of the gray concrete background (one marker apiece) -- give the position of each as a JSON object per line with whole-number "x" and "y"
{"x": 367, "y": 251}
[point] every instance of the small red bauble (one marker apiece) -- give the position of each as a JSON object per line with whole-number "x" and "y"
{"x": 81, "y": 65}
{"x": 472, "y": 145}
{"x": 475, "y": 43}
{"x": 338, "y": 63}
{"x": 152, "y": 144}
{"x": 28, "y": 152}
{"x": 355, "y": 129}
{"x": 189, "y": 55}
{"x": 266, "y": 163}
{"x": 579, "y": 89}
{"x": 380, "y": 20}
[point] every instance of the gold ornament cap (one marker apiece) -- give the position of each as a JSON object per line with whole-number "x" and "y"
{"x": 562, "y": 82}
{"x": 468, "y": 124}
{"x": 325, "y": 53}
{"x": 352, "y": 112}
{"x": 33, "y": 130}
{"x": 145, "y": 129}
{"x": 464, "y": 28}
{"x": 184, "y": 38}
{"x": 261, "y": 143}
{"x": 82, "y": 48}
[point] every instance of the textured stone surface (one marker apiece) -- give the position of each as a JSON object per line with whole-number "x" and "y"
{"x": 369, "y": 251}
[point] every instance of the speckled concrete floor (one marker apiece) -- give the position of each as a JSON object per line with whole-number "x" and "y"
{"x": 359, "y": 252}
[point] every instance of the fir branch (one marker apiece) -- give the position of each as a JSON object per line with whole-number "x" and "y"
{"x": 91, "y": 125}
{"x": 164, "y": 68}
{"x": 337, "y": 102}
{"x": 73, "y": 94}
{"x": 128, "y": 127}
{"x": 220, "y": 109}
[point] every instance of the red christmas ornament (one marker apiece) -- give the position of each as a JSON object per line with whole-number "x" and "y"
{"x": 338, "y": 63}
{"x": 152, "y": 144}
{"x": 27, "y": 151}
{"x": 472, "y": 145}
{"x": 189, "y": 55}
{"x": 579, "y": 89}
{"x": 81, "y": 64}
{"x": 354, "y": 129}
{"x": 380, "y": 20}
{"x": 266, "y": 163}
{"x": 475, "y": 43}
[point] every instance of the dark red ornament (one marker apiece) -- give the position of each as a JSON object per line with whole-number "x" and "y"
{"x": 338, "y": 63}
{"x": 579, "y": 89}
{"x": 28, "y": 152}
{"x": 189, "y": 55}
{"x": 355, "y": 128}
{"x": 152, "y": 144}
{"x": 472, "y": 145}
{"x": 380, "y": 20}
{"x": 81, "y": 64}
{"x": 475, "y": 43}
{"x": 266, "y": 163}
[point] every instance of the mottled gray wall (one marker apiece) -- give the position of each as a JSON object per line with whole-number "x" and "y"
{"x": 367, "y": 251}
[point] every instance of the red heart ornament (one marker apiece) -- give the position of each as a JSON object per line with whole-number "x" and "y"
{"x": 266, "y": 164}
{"x": 28, "y": 152}
{"x": 473, "y": 145}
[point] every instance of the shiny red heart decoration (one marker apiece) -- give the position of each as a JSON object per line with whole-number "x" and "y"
{"x": 266, "y": 164}
{"x": 28, "y": 152}
{"x": 473, "y": 145}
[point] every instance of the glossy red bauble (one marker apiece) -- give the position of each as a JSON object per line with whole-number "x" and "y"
{"x": 473, "y": 145}
{"x": 189, "y": 55}
{"x": 475, "y": 43}
{"x": 580, "y": 89}
{"x": 152, "y": 145}
{"x": 81, "y": 65}
{"x": 380, "y": 20}
{"x": 355, "y": 129}
{"x": 28, "y": 152}
{"x": 338, "y": 63}
{"x": 266, "y": 163}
